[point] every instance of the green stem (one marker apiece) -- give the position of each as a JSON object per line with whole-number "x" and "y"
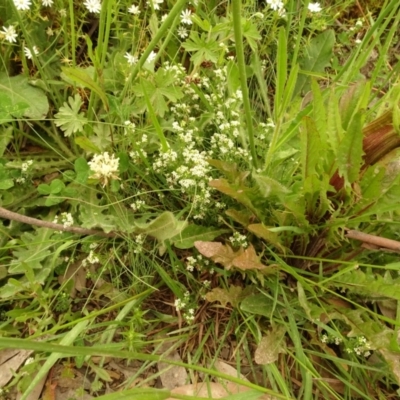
{"x": 237, "y": 28}
{"x": 72, "y": 27}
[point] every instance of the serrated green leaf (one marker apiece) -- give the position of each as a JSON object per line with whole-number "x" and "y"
{"x": 68, "y": 118}
{"x": 192, "y": 233}
{"x": 34, "y": 251}
{"x": 270, "y": 187}
{"x": 350, "y": 150}
{"x": 311, "y": 152}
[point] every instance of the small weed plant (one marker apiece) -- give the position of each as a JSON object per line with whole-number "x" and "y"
{"x": 218, "y": 176}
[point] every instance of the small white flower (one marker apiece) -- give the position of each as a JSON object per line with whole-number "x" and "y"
{"x": 182, "y": 32}
{"x": 164, "y": 17}
{"x": 134, "y": 10}
{"x": 9, "y": 34}
{"x": 22, "y": 4}
{"x": 29, "y": 360}
{"x": 63, "y": 12}
{"x": 151, "y": 57}
{"x": 93, "y": 6}
{"x": 186, "y": 17}
{"x": 67, "y": 219}
{"x": 314, "y": 7}
{"x": 275, "y": 4}
{"x": 131, "y": 59}
{"x": 28, "y": 52}
{"x": 156, "y": 3}
{"x": 47, "y": 3}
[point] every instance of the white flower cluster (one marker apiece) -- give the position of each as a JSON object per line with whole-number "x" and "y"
{"x": 359, "y": 346}
{"x": 104, "y": 167}
{"x": 239, "y": 240}
{"x": 227, "y": 118}
{"x": 197, "y": 262}
{"x": 66, "y": 219}
{"x": 92, "y": 258}
{"x": 182, "y": 304}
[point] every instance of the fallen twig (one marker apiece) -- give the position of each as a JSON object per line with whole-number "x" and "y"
{"x": 381, "y": 242}
{"x": 6, "y": 214}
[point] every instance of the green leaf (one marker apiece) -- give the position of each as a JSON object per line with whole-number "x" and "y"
{"x": 238, "y": 192}
{"x": 82, "y": 170}
{"x": 6, "y": 134}
{"x": 204, "y": 48}
{"x": 250, "y": 33}
{"x": 68, "y": 117}
{"x": 310, "y": 145}
{"x": 269, "y": 187}
{"x": 350, "y": 150}
{"x": 35, "y": 249}
{"x": 86, "y": 144}
{"x": 18, "y": 98}
{"x": 317, "y": 56}
{"x": 164, "y": 226}
{"x": 192, "y": 233}
{"x": 258, "y": 304}
{"x": 82, "y": 77}
{"x": 93, "y": 215}
{"x": 353, "y": 100}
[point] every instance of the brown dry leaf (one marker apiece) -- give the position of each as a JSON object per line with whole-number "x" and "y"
{"x": 10, "y": 361}
{"x": 233, "y": 295}
{"x": 77, "y": 273}
{"x": 171, "y": 376}
{"x": 248, "y": 260}
{"x": 218, "y": 252}
{"x": 393, "y": 360}
{"x": 270, "y": 346}
{"x": 212, "y": 390}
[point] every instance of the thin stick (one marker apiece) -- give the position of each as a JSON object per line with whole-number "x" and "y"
{"x": 6, "y": 214}
{"x": 375, "y": 240}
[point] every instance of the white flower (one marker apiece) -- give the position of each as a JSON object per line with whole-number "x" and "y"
{"x": 131, "y": 59}
{"x": 314, "y": 7}
{"x": 186, "y": 17}
{"x": 22, "y": 4}
{"x": 28, "y": 52}
{"x": 93, "y": 6}
{"x": 63, "y": 12}
{"x": 182, "y": 32}
{"x": 134, "y": 9}
{"x": 104, "y": 167}
{"x": 164, "y": 17}
{"x": 10, "y": 34}
{"x": 156, "y": 3}
{"x": 275, "y": 4}
{"x": 151, "y": 57}
{"x": 47, "y": 3}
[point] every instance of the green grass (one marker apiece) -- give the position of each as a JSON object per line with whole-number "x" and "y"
{"x": 218, "y": 169}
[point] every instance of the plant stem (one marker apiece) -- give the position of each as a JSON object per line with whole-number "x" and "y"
{"x": 237, "y": 27}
